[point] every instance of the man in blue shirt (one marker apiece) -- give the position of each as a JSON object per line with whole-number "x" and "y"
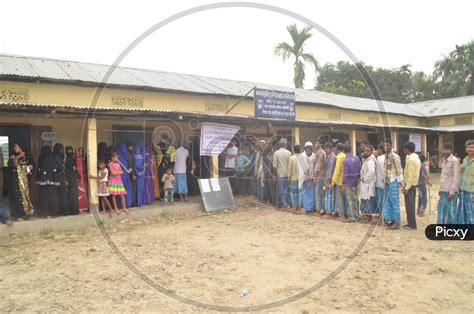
{"x": 350, "y": 181}
{"x": 241, "y": 164}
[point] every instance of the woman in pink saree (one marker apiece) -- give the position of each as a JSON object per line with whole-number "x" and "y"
{"x": 81, "y": 167}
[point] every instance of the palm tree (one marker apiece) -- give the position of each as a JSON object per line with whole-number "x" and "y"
{"x": 286, "y": 50}
{"x": 455, "y": 72}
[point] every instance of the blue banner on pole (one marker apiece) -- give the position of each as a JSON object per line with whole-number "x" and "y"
{"x": 274, "y": 104}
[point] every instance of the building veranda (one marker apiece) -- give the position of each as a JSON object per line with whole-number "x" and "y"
{"x": 47, "y": 101}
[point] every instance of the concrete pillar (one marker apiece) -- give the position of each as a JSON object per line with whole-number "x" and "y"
{"x": 440, "y": 150}
{"x": 354, "y": 141}
{"x": 296, "y": 135}
{"x": 424, "y": 144}
{"x": 91, "y": 133}
{"x": 394, "y": 137}
{"x": 215, "y": 167}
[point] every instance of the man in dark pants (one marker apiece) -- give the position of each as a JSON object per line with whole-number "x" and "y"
{"x": 411, "y": 174}
{"x": 230, "y": 153}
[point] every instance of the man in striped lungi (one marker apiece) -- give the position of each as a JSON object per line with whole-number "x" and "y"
{"x": 379, "y": 178}
{"x": 449, "y": 188}
{"x": 307, "y": 189}
{"x": 393, "y": 176}
{"x": 329, "y": 192}
{"x": 466, "y": 194}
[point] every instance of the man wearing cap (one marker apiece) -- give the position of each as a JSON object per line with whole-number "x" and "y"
{"x": 280, "y": 162}
{"x": 307, "y": 187}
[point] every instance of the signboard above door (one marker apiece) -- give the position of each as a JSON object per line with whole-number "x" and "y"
{"x": 48, "y": 136}
{"x": 274, "y": 104}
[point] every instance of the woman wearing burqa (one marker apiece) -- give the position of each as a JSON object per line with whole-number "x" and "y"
{"x": 81, "y": 166}
{"x": 72, "y": 177}
{"x": 122, "y": 151}
{"x": 191, "y": 178}
{"x": 150, "y": 175}
{"x": 48, "y": 185}
{"x": 20, "y": 168}
{"x": 139, "y": 156}
{"x": 110, "y": 151}
{"x": 59, "y": 159}
{"x": 102, "y": 152}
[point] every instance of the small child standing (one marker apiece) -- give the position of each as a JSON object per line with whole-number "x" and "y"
{"x": 102, "y": 191}
{"x": 168, "y": 180}
{"x": 115, "y": 185}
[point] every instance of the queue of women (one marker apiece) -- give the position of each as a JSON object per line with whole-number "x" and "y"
{"x": 128, "y": 176}
{"x": 60, "y": 174}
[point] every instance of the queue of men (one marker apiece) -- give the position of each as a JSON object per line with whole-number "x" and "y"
{"x": 330, "y": 181}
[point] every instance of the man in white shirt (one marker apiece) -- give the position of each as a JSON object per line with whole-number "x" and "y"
{"x": 280, "y": 162}
{"x": 181, "y": 184}
{"x": 306, "y": 160}
{"x": 379, "y": 176}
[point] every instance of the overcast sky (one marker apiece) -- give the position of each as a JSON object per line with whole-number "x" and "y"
{"x": 235, "y": 43}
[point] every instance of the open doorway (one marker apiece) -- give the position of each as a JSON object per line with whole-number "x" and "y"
{"x": 10, "y": 135}
{"x": 4, "y": 144}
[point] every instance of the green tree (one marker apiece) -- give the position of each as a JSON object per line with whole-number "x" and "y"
{"x": 424, "y": 87}
{"x": 397, "y": 85}
{"x": 455, "y": 72}
{"x": 296, "y": 49}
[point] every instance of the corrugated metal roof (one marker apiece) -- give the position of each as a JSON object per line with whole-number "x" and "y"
{"x": 445, "y": 107}
{"x": 77, "y": 72}
{"x": 20, "y": 106}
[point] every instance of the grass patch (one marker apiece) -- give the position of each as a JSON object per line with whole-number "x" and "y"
{"x": 165, "y": 215}
{"x": 252, "y": 203}
{"x": 46, "y": 233}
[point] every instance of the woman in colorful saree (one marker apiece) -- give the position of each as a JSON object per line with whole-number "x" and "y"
{"x": 20, "y": 167}
{"x": 81, "y": 166}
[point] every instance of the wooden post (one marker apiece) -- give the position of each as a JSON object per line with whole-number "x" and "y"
{"x": 440, "y": 150}
{"x": 354, "y": 142}
{"x": 296, "y": 135}
{"x": 215, "y": 167}
{"x": 91, "y": 133}
{"x": 424, "y": 145}
{"x": 394, "y": 137}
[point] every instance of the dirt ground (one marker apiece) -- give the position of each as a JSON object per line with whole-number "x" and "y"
{"x": 212, "y": 258}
